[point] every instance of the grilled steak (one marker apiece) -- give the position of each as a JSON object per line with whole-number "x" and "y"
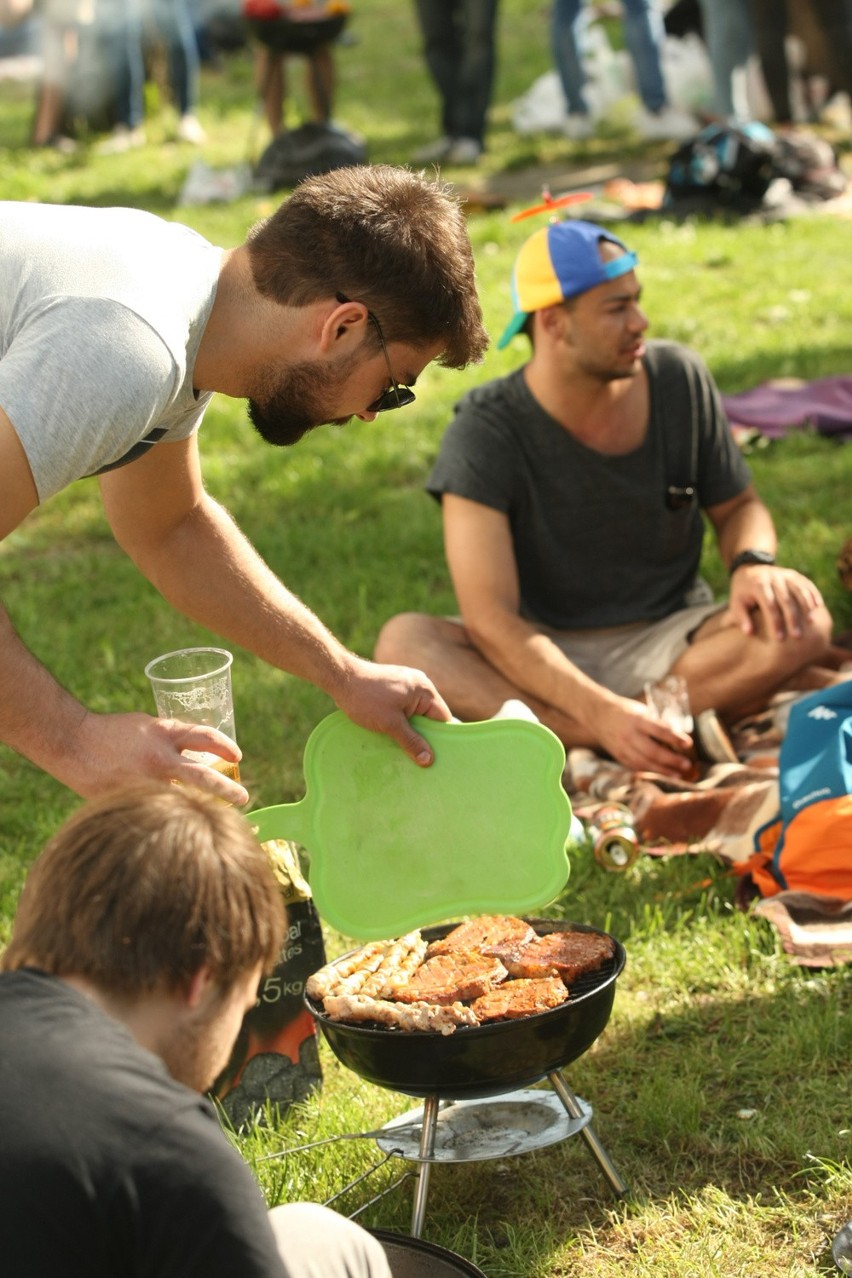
{"x": 564, "y": 954}
{"x": 514, "y": 999}
{"x": 492, "y": 968}
{"x": 450, "y": 978}
{"x": 489, "y": 934}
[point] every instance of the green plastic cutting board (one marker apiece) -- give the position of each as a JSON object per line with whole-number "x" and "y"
{"x": 394, "y": 846}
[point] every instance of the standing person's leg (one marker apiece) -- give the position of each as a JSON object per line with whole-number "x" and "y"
{"x": 271, "y": 85}
{"x": 59, "y": 51}
{"x": 769, "y": 25}
{"x": 437, "y": 21}
{"x": 174, "y": 24}
{"x": 476, "y": 22}
{"x": 835, "y": 18}
{"x": 644, "y": 33}
{"x": 727, "y": 34}
{"x": 320, "y": 73}
{"x": 566, "y": 20}
{"x": 120, "y": 24}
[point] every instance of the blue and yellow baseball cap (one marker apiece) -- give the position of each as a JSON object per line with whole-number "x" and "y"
{"x": 561, "y": 261}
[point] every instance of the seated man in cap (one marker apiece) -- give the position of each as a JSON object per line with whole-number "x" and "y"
{"x": 572, "y": 495}
{"x": 139, "y": 942}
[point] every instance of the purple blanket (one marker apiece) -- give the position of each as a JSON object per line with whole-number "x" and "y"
{"x": 776, "y": 408}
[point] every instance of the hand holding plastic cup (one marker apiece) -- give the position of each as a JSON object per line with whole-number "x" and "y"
{"x": 669, "y": 700}
{"x": 193, "y": 685}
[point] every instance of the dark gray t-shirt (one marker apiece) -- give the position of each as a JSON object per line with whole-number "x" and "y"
{"x": 595, "y": 542}
{"x": 108, "y": 1167}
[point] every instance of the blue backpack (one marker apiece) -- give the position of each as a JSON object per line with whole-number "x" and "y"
{"x": 808, "y": 846}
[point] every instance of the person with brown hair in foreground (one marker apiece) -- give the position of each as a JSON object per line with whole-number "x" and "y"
{"x": 573, "y": 496}
{"x": 141, "y": 936}
{"x": 116, "y": 327}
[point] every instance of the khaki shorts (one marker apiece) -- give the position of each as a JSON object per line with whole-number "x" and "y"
{"x": 625, "y": 658}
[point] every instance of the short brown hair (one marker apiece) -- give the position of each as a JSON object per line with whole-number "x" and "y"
{"x": 383, "y": 236}
{"x": 140, "y": 889}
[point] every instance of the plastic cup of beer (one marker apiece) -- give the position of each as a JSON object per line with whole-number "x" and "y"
{"x": 669, "y": 699}
{"x": 194, "y": 685}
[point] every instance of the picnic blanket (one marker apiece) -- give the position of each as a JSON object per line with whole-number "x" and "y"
{"x": 777, "y": 407}
{"x": 815, "y": 931}
{"x": 718, "y": 815}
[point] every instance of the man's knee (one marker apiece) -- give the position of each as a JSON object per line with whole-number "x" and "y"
{"x": 400, "y": 637}
{"x": 316, "y": 1242}
{"x": 809, "y": 649}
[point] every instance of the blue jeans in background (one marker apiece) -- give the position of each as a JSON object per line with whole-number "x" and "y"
{"x": 458, "y": 37}
{"x": 644, "y": 35}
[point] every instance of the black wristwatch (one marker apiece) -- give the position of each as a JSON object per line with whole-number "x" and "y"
{"x": 750, "y": 557}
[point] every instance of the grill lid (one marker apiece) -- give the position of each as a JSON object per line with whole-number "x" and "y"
{"x": 393, "y": 846}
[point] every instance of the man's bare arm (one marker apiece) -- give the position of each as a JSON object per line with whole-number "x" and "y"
{"x": 782, "y": 599}
{"x": 482, "y": 563}
{"x": 189, "y": 547}
{"x": 42, "y": 720}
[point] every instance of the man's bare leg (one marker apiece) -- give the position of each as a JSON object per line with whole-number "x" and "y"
{"x": 472, "y": 688}
{"x": 737, "y": 674}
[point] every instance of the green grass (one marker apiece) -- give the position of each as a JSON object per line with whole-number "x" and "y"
{"x": 721, "y": 1085}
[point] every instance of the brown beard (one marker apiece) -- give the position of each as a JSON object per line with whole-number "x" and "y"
{"x": 299, "y": 401}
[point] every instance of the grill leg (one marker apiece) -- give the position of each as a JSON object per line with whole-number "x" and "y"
{"x": 427, "y": 1149}
{"x": 590, "y": 1136}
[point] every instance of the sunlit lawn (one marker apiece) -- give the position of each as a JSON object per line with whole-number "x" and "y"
{"x": 721, "y": 1086}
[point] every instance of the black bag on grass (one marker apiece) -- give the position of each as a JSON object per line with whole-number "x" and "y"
{"x": 722, "y": 167}
{"x": 305, "y": 151}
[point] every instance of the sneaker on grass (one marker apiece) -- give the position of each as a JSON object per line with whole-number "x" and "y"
{"x": 121, "y": 139}
{"x": 464, "y": 151}
{"x": 577, "y": 128}
{"x": 437, "y": 150}
{"x": 667, "y": 124}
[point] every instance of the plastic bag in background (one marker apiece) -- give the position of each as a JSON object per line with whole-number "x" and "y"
{"x": 542, "y": 109}
{"x": 688, "y": 74}
{"x": 275, "y": 1059}
{"x": 206, "y": 185}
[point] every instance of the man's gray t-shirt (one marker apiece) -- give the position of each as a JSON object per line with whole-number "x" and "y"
{"x": 595, "y": 541}
{"x": 101, "y": 315}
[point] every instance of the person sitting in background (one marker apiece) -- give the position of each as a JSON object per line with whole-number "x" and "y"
{"x": 572, "y": 494}
{"x": 644, "y": 33}
{"x": 122, "y": 26}
{"x": 141, "y": 936}
{"x": 61, "y": 21}
{"x": 459, "y": 39}
{"x": 301, "y": 29}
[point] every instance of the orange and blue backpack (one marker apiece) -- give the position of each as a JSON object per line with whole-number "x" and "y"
{"x": 808, "y": 846}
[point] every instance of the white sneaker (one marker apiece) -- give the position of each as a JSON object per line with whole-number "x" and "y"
{"x": 668, "y": 124}
{"x": 437, "y": 150}
{"x": 578, "y": 127}
{"x": 464, "y": 151}
{"x": 121, "y": 139}
{"x": 189, "y": 130}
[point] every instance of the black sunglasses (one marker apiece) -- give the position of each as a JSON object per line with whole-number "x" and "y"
{"x": 397, "y": 395}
